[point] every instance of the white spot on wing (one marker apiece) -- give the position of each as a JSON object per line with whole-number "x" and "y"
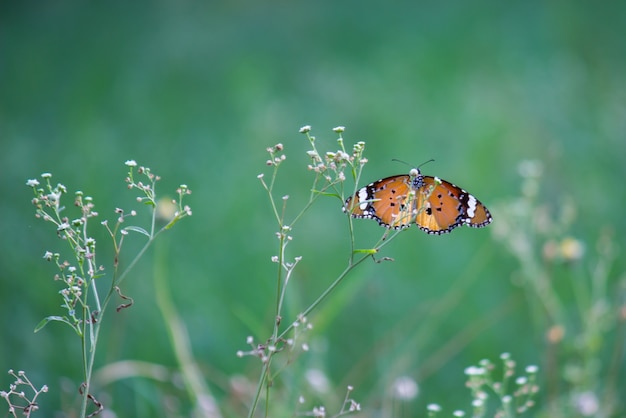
{"x": 362, "y": 198}
{"x": 471, "y": 206}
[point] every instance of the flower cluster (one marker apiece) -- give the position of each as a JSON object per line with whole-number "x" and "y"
{"x": 48, "y": 206}
{"x": 333, "y": 163}
{"x": 265, "y": 351}
{"x": 18, "y": 399}
{"x": 513, "y": 401}
{"x": 78, "y": 276}
{"x": 148, "y": 195}
{"x": 349, "y": 405}
{"x": 276, "y": 156}
{"x": 146, "y": 188}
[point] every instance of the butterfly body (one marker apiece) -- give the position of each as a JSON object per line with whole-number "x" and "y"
{"x": 434, "y": 205}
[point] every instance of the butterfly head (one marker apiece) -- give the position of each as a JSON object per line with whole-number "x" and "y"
{"x": 416, "y": 178}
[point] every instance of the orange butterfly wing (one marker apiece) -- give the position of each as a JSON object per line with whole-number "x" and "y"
{"x": 387, "y": 200}
{"x": 447, "y": 206}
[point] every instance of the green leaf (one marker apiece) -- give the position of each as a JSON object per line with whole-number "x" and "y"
{"x": 47, "y": 319}
{"x": 366, "y": 251}
{"x": 172, "y": 222}
{"x": 321, "y": 193}
{"x": 137, "y": 229}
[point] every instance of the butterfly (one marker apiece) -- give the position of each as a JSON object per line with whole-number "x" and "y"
{"x": 435, "y": 205}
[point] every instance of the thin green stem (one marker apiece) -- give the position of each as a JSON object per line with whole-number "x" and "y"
{"x": 89, "y": 353}
{"x": 326, "y": 292}
{"x": 257, "y": 395}
{"x": 279, "y": 272}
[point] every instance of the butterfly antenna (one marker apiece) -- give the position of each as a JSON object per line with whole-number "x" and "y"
{"x": 426, "y": 162}
{"x": 404, "y": 162}
{"x": 400, "y": 161}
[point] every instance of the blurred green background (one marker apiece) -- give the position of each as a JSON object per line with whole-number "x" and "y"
{"x": 198, "y": 90}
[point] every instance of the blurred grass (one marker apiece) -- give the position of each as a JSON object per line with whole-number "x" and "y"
{"x": 198, "y": 90}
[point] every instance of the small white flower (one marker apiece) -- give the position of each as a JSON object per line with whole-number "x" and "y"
{"x": 313, "y": 154}
{"x": 482, "y": 395}
{"x": 319, "y": 412}
{"x": 343, "y": 156}
{"x": 405, "y": 388}
{"x": 433, "y": 407}
{"x": 339, "y": 129}
{"x": 477, "y": 403}
{"x": 354, "y": 406}
{"x": 131, "y": 163}
{"x": 32, "y": 183}
{"x": 475, "y": 371}
{"x": 305, "y": 129}
{"x": 532, "y": 369}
